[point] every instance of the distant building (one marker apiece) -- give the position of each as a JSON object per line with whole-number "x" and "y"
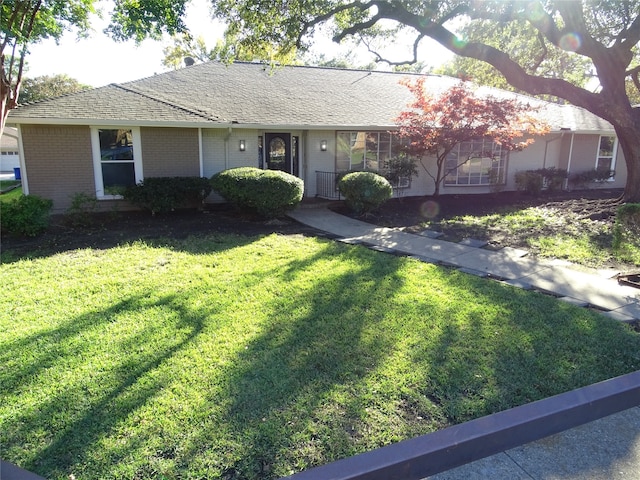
{"x": 9, "y": 152}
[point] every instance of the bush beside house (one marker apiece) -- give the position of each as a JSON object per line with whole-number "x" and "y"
{"x": 26, "y": 215}
{"x": 165, "y": 194}
{"x": 269, "y": 193}
{"x": 365, "y": 191}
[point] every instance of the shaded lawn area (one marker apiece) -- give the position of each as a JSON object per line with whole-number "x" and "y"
{"x": 256, "y": 357}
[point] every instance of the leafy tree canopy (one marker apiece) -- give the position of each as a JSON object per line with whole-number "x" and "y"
{"x": 434, "y": 124}
{"x": 226, "y": 50}
{"x": 25, "y": 22}
{"x": 48, "y": 86}
{"x": 521, "y": 42}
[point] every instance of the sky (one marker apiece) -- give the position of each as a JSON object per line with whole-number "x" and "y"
{"x": 84, "y": 60}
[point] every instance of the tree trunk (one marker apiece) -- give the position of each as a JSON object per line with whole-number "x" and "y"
{"x": 438, "y": 179}
{"x": 629, "y": 139}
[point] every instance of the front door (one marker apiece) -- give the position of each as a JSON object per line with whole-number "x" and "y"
{"x": 278, "y": 152}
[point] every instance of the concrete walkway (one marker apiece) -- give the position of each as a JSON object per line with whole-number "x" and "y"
{"x": 590, "y": 288}
{"x": 608, "y": 448}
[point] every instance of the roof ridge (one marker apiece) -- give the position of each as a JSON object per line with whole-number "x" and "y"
{"x": 324, "y": 67}
{"x": 165, "y": 102}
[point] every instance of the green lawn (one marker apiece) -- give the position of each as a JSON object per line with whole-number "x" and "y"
{"x": 15, "y": 193}
{"x": 236, "y": 357}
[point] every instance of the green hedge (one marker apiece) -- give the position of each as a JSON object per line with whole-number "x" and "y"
{"x": 583, "y": 179}
{"x": 165, "y": 194}
{"x": 26, "y": 215}
{"x": 533, "y": 181}
{"x": 270, "y": 193}
{"x": 365, "y": 191}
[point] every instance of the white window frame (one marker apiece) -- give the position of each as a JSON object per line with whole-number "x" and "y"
{"x": 613, "y": 157}
{"x": 453, "y": 176}
{"x": 381, "y": 155}
{"x": 97, "y": 158}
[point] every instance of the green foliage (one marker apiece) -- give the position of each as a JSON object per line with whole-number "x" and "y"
{"x": 534, "y": 181}
{"x": 583, "y": 179}
{"x": 27, "y": 215}
{"x": 626, "y": 230}
{"x": 82, "y": 207}
{"x": 529, "y": 181}
{"x": 269, "y": 193}
{"x": 520, "y": 41}
{"x": 165, "y": 194}
{"x": 365, "y": 191}
{"x": 226, "y": 50}
{"x": 552, "y": 178}
{"x": 151, "y": 18}
{"x": 400, "y": 168}
{"x": 39, "y": 88}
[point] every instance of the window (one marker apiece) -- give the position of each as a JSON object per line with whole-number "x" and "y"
{"x": 486, "y": 163}
{"x": 606, "y": 159}
{"x": 371, "y": 151}
{"x": 117, "y": 160}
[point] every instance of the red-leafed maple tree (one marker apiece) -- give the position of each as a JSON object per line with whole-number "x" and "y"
{"x": 435, "y": 124}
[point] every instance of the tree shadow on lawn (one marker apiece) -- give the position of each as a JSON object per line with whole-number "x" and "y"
{"x": 312, "y": 383}
{"x": 530, "y": 356}
{"x": 72, "y": 419}
{"x": 312, "y": 387}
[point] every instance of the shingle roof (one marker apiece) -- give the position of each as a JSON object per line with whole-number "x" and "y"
{"x": 255, "y": 94}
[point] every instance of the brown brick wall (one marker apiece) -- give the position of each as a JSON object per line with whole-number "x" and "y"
{"x": 59, "y": 162}
{"x": 170, "y": 152}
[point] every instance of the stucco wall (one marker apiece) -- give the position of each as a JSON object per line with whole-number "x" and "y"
{"x": 170, "y": 152}
{"x": 59, "y": 162}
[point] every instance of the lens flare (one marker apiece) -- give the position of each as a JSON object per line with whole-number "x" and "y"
{"x": 570, "y": 42}
{"x": 535, "y": 12}
{"x": 459, "y": 42}
{"x": 430, "y": 209}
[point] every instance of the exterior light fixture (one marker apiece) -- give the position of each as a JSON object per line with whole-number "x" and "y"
{"x": 323, "y": 146}
{"x": 243, "y": 145}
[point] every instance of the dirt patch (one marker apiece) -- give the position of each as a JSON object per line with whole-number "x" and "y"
{"x": 576, "y": 213}
{"x": 411, "y": 213}
{"x": 416, "y": 211}
{"x": 107, "y": 230}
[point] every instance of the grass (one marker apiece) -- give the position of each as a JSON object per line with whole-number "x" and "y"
{"x": 546, "y": 232}
{"x": 256, "y": 357}
{"x": 15, "y": 193}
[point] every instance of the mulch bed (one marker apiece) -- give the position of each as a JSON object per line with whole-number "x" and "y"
{"x": 110, "y": 229}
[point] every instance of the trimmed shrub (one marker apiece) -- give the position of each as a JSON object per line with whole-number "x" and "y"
{"x": 534, "y": 181}
{"x": 165, "y": 194}
{"x": 26, "y": 215}
{"x": 626, "y": 230}
{"x": 530, "y": 182}
{"x": 583, "y": 179}
{"x": 552, "y": 178}
{"x": 365, "y": 191}
{"x": 269, "y": 193}
{"x": 80, "y": 213}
